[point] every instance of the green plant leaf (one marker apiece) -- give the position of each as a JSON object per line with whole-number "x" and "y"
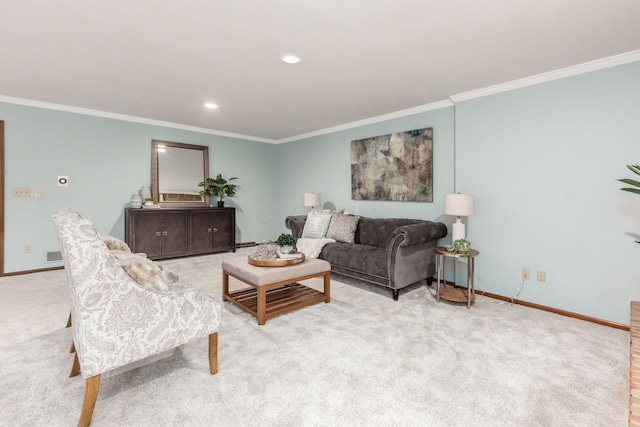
{"x": 630, "y": 182}
{"x": 286, "y": 240}
{"x": 632, "y": 190}
{"x": 219, "y": 187}
{"x": 634, "y": 168}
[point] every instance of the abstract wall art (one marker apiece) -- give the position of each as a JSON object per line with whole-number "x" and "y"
{"x": 395, "y": 167}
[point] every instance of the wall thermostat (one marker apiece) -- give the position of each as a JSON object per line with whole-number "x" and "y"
{"x": 63, "y": 181}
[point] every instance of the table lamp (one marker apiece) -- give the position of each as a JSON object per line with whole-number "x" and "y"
{"x": 312, "y": 200}
{"x": 458, "y": 205}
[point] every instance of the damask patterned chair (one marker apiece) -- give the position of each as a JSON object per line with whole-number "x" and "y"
{"x": 115, "y": 320}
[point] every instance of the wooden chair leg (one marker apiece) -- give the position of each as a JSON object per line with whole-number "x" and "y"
{"x": 75, "y": 369}
{"x": 90, "y": 396}
{"x": 73, "y": 347}
{"x": 213, "y": 353}
{"x": 69, "y": 321}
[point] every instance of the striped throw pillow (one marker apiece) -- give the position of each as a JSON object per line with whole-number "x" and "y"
{"x": 316, "y": 225}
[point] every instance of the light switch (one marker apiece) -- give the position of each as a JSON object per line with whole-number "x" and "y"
{"x": 37, "y": 192}
{"x": 21, "y": 192}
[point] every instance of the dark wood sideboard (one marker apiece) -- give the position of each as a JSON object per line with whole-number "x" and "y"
{"x": 171, "y": 233}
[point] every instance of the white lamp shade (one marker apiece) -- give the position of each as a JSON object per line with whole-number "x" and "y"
{"x": 458, "y": 204}
{"x": 312, "y": 199}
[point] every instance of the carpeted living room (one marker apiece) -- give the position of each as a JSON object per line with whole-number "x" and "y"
{"x": 503, "y": 128}
{"x": 362, "y": 359}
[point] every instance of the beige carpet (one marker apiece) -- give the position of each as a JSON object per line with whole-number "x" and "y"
{"x": 363, "y": 359}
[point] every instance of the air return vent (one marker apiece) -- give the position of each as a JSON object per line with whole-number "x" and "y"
{"x": 55, "y": 256}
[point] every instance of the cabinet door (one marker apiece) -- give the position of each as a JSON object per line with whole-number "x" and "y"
{"x": 201, "y": 233}
{"x": 224, "y": 229}
{"x": 146, "y": 230}
{"x": 174, "y": 234}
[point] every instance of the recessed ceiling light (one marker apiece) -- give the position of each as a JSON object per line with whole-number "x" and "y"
{"x": 290, "y": 58}
{"x": 211, "y": 105}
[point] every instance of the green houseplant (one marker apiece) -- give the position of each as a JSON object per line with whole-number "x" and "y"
{"x": 635, "y": 169}
{"x": 286, "y": 243}
{"x": 462, "y": 247}
{"x": 218, "y": 187}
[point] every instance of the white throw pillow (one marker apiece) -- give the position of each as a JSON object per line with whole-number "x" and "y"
{"x": 316, "y": 225}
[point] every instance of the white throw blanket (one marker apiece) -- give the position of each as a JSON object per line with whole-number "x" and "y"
{"x": 311, "y": 248}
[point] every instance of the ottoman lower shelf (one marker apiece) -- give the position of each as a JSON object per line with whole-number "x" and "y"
{"x": 279, "y": 300}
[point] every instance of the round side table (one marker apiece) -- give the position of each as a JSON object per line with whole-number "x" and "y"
{"x": 455, "y": 294}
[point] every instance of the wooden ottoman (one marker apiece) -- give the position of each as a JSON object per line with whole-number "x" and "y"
{"x": 274, "y": 290}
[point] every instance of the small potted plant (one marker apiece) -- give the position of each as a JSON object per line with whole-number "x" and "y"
{"x": 286, "y": 242}
{"x": 462, "y": 247}
{"x": 148, "y": 201}
{"x": 218, "y": 187}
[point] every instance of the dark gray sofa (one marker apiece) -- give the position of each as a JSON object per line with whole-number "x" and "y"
{"x": 391, "y": 252}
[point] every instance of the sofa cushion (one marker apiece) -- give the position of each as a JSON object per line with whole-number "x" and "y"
{"x": 376, "y": 231}
{"x": 311, "y": 248}
{"x": 366, "y": 258}
{"x": 342, "y": 227}
{"x": 316, "y": 225}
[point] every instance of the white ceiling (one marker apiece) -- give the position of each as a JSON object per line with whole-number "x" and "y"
{"x": 162, "y": 60}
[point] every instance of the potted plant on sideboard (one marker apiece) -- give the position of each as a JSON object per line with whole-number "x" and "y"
{"x": 218, "y": 187}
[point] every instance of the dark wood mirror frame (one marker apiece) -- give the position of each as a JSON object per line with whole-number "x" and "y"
{"x": 155, "y": 172}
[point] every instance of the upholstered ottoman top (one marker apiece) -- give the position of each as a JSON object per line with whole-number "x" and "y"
{"x": 239, "y": 267}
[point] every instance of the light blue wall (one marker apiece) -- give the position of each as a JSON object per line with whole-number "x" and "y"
{"x": 322, "y": 164}
{"x": 542, "y": 163}
{"x": 108, "y": 160}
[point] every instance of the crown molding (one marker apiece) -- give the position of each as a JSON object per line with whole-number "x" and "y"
{"x": 574, "y": 70}
{"x": 599, "y": 64}
{"x": 372, "y": 120}
{"x": 124, "y": 117}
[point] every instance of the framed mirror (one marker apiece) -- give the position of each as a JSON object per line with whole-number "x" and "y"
{"x": 176, "y": 170}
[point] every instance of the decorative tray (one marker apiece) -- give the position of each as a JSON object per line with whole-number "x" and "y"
{"x": 280, "y": 262}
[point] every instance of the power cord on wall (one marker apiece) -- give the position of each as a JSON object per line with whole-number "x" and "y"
{"x": 477, "y": 283}
{"x": 520, "y": 288}
{"x": 480, "y": 291}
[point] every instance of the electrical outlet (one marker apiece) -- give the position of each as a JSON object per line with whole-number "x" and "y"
{"x": 542, "y": 276}
{"x": 21, "y": 192}
{"x": 27, "y": 249}
{"x": 525, "y": 273}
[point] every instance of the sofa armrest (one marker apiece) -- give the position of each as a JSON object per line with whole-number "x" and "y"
{"x": 296, "y": 224}
{"x": 414, "y": 234}
{"x": 410, "y": 252}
